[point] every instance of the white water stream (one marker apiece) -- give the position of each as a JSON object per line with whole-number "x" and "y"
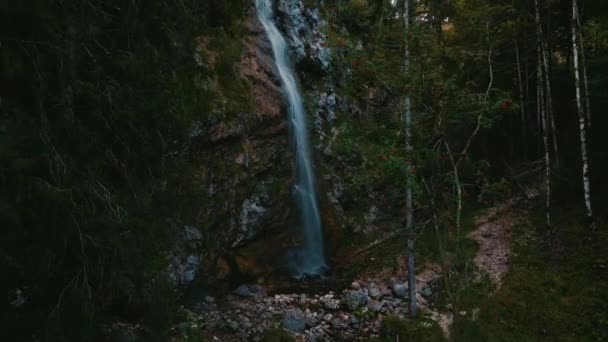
{"x": 309, "y": 259}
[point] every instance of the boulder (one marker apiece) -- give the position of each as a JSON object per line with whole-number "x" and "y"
{"x": 400, "y": 290}
{"x": 294, "y": 321}
{"x": 355, "y": 299}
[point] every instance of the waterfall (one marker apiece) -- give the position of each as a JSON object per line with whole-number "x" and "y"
{"x": 309, "y": 259}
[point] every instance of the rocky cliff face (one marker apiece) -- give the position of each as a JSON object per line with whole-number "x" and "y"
{"x": 243, "y": 151}
{"x": 244, "y": 158}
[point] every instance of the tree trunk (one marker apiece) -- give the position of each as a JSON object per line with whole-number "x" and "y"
{"x": 549, "y": 100}
{"x": 547, "y": 79}
{"x": 543, "y": 116}
{"x": 521, "y": 99}
{"x": 407, "y": 118}
{"x": 584, "y": 67}
{"x": 581, "y": 116}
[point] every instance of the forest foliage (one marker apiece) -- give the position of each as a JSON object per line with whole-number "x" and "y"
{"x": 97, "y": 98}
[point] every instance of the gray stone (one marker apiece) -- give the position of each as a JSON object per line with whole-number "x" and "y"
{"x": 375, "y": 305}
{"x": 192, "y": 233}
{"x": 426, "y": 292}
{"x": 374, "y": 291}
{"x": 304, "y": 33}
{"x": 330, "y": 303}
{"x": 233, "y": 325}
{"x": 184, "y": 261}
{"x": 311, "y": 321}
{"x": 355, "y": 299}
{"x": 257, "y": 289}
{"x": 183, "y": 270}
{"x": 315, "y": 337}
{"x": 400, "y": 290}
{"x": 252, "y": 214}
{"x": 243, "y": 291}
{"x": 294, "y": 25}
{"x": 337, "y": 323}
{"x": 294, "y": 321}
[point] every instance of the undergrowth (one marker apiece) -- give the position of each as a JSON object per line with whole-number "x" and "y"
{"x": 420, "y": 329}
{"x": 555, "y": 289}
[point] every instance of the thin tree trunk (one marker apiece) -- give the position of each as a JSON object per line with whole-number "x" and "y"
{"x": 549, "y": 105}
{"x": 581, "y": 116}
{"x": 521, "y": 98}
{"x": 584, "y": 67}
{"x": 458, "y": 189}
{"x": 543, "y": 116}
{"x": 547, "y": 80}
{"x": 407, "y": 118}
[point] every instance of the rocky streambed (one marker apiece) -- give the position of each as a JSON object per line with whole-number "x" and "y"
{"x": 352, "y": 314}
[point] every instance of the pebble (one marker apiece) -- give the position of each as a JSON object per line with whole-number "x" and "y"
{"x": 426, "y": 292}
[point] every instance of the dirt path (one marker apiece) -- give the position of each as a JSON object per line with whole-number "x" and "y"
{"x": 493, "y": 235}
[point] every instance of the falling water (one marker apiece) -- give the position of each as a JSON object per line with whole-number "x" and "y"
{"x": 309, "y": 259}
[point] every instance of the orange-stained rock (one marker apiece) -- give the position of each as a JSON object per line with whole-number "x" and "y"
{"x": 222, "y": 269}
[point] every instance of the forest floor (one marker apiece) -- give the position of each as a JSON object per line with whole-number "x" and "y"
{"x": 556, "y": 285}
{"x": 357, "y": 313}
{"x": 493, "y": 234}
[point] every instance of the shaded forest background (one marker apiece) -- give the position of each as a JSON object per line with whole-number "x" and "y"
{"x": 97, "y": 99}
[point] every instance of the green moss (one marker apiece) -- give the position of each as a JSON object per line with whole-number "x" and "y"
{"x": 277, "y": 335}
{"x": 421, "y": 329}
